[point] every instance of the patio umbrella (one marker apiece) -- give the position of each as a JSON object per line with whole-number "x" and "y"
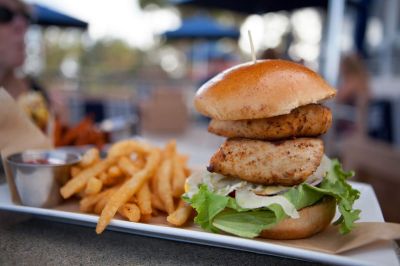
{"x": 198, "y": 29}
{"x": 209, "y": 50}
{"x": 253, "y": 6}
{"x": 46, "y": 16}
{"x": 202, "y": 27}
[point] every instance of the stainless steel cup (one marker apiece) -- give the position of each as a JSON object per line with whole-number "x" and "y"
{"x": 38, "y": 175}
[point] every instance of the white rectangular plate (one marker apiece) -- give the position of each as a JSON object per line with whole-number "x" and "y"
{"x": 376, "y": 254}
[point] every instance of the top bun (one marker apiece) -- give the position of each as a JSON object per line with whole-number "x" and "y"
{"x": 263, "y": 89}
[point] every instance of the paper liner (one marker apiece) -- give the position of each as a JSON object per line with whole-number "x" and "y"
{"x": 331, "y": 241}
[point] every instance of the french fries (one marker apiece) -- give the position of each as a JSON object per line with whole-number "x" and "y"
{"x": 114, "y": 172}
{"x": 127, "y": 166}
{"x": 170, "y": 149}
{"x": 74, "y": 171}
{"x": 127, "y": 190}
{"x": 127, "y": 147}
{"x": 78, "y": 183}
{"x": 130, "y": 211}
{"x": 87, "y": 203}
{"x": 178, "y": 182}
{"x": 144, "y": 200}
{"x": 144, "y": 194}
{"x": 180, "y": 215}
{"x": 156, "y": 203}
{"x": 98, "y": 208}
{"x": 93, "y": 186}
{"x": 109, "y": 179}
{"x": 164, "y": 189}
{"x": 135, "y": 181}
{"x": 90, "y": 157}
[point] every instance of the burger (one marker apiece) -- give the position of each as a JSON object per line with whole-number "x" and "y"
{"x": 270, "y": 178}
{"x": 34, "y": 105}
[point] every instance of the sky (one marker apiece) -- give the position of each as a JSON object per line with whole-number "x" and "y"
{"x": 117, "y": 18}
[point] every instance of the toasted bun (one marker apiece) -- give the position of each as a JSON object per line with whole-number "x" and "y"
{"x": 258, "y": 90}
{"x": 312, "y": 220}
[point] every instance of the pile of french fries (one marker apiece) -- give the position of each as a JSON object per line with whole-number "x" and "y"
{"x": 135, "y": 180}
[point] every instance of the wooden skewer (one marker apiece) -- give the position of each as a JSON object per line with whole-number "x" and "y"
{"x": 253, "y": 54}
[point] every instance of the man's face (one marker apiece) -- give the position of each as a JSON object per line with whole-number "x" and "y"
{"x": 13, "y": 25}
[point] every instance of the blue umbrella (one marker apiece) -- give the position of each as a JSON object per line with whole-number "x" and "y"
{"x": 46, "y": 16}
{"x": 253, "y": 6}
{"x": 202, "y": 27}
{"x": 207, "y": 51}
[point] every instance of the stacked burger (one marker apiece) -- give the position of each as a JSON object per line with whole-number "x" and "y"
{"x": 270, "y": 178}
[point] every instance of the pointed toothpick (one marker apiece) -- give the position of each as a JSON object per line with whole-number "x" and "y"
{"x": 253, "y": 54}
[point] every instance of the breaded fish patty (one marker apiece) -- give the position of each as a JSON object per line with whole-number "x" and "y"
{"x": 287, "y": 162}
{"x": 306, "y": 121}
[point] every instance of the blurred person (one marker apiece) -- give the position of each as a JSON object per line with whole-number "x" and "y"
{"x": 14, "y": 21}
{"x": 270, "y": 53}
{"x": 354, "y": 90}
{"x": 274, "y": 53}
{"x": 354, "y": 84}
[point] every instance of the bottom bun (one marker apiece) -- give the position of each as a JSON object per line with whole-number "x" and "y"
{"x": 312, "y": 220}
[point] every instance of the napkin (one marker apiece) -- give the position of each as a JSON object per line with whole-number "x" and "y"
{"x": 17, "y": 133}
{"x": 331, "y": 241}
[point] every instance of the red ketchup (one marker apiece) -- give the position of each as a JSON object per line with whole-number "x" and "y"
{"x": 38, "y": 161}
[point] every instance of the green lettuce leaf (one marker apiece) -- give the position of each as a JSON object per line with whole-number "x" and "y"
{"x": 207, "y": 205}
{"x": 217, "y": 212}
{"x": 245, "y": 224}
{"x": 336, "y": 184}
{"x": 303, "y": 195}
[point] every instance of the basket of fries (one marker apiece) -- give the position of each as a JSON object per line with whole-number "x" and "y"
{"x": 135, "y": 180}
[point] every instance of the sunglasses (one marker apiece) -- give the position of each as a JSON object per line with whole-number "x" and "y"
{"x": 7, "y": 15}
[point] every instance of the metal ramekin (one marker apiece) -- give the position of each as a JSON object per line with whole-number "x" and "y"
{"x": 38, "y": 183}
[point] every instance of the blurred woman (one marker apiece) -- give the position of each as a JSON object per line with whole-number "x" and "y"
{"x": 354, "y": 85}
{"x": 14, "y": 21}
{"x": 354, "y": 90}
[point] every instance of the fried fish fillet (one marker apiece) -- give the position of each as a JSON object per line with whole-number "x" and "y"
{"x": 306, "y": 121}
{"x": 287, "y": 162}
